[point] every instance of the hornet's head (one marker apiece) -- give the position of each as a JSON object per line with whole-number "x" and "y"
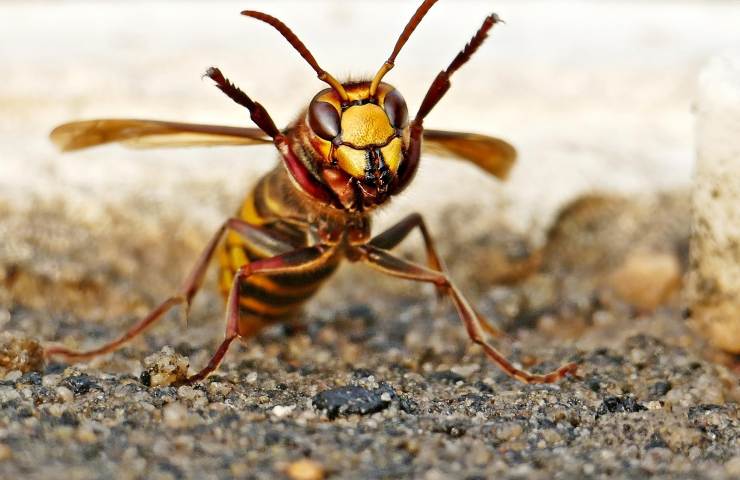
{"x": 354, "y": 146}
{"x": 362, "y": 140}
{"x": 354, "y": 138}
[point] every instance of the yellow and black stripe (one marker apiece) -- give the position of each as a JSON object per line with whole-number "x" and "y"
{"x": 265, "y": 299}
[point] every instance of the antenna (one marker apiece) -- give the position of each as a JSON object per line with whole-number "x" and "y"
{"x": 293, "y": 39}
{"x": 402, "y": 39}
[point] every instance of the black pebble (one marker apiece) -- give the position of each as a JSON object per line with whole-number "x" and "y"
{"x": 30, "y": 378}
{"x": 483, "y": 387}
{"x": 80, "y": 384}
{"x": 352, "y": 401}
{"x": 656, "y": 441}
{"x": 594, "y": 384}
{"x": 408, "y": 406}
{"x": 146, "y": 378}
{"x": 619, "y": 404}
{"x": 658, "y": 389}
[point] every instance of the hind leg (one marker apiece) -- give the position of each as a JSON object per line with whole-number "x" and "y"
{"x": 184, "y": 295}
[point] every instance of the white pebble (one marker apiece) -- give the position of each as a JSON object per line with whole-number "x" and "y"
{"x": 283, "y": 411}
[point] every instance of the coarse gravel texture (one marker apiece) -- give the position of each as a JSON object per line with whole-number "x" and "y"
{"x": 376, "y": 380}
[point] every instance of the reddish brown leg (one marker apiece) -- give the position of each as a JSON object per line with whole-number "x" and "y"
{"x": 396, "y": 234}
{"x": 390, "y": 238}
{"x": 295, "y": 261}
{"x": 387, "y": 263}
{"x": 186, "y": 292}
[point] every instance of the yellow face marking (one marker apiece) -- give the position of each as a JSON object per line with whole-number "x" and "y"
{"x": 355, "y": 93}
{"x": 359, "y": 92}
{"x": 330, "y": 96}
{"x": 392, "y": 154}
{"x": 365, "y": 125}
{"x": 351, "y": 160}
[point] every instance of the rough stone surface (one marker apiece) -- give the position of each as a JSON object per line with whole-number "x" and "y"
{"x": 715, "y": 241}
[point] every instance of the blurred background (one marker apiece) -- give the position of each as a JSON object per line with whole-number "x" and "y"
{"x": 596, "y": 95}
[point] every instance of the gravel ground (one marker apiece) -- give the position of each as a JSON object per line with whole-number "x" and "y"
{"x": 379, "y": 387}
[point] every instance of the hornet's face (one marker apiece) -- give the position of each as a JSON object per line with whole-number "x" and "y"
{"x": 363, "y": 140}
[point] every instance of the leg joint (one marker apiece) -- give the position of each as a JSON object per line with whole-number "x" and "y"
{"x": 442, "y": 281}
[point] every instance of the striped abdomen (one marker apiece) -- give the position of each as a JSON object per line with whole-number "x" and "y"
{"x": 265, "y": 299}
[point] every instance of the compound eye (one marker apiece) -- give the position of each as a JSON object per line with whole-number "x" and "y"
{"x": 396, "y": 109}
{"x": 323, "y": 119}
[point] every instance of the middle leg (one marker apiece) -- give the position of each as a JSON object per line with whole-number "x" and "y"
{"x": 296, "y": 261}
{"x": 396, "y": 234}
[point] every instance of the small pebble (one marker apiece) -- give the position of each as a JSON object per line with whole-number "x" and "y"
{"x": 65, "y": 394}
{"x": 186, "y": 392}
{"x": 656, "y": 459}
{"x": 281, "y": 411}
{"x": 86, "y": 435}
{"x": 620, "y": 404}
{"x": 646, "y": 279}
{"x": 165, "y": 367}
{"x": 19, "y": 352}
{"x": 508, "y": 431}
{"x": 175, "y": 415}
{"x": 51, "y": 380}
{"x": 8, "y": 394}
{"x": 305, "y": 470}
{"x": 5, "y": 452}
{"x": 465, "y": 370}
{"x": 551, "y": 436}
{"x": 13, "y": 376}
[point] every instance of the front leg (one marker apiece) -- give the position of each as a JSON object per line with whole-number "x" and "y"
{"x": 300, "y": 260}
{"x": 390, "y": 238}
{"x": 387, "y": 263}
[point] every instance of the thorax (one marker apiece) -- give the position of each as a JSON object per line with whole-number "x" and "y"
{"x": 276, "y": 204}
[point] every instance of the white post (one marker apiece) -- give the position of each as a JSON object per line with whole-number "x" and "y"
{"x": 714, "y": 281}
